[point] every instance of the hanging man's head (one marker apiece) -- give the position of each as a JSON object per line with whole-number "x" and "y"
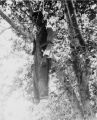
{"x": 38, "y": 18}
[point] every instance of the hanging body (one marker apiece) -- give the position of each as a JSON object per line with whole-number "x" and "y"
{"x": 41, "y": 64}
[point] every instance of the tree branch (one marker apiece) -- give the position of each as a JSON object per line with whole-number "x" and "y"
{"x": 17, "y": 29}
{"x": 4, "y": 30}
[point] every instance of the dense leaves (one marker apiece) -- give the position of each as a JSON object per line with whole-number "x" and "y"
{"x": 21, "y": 12}
{"x": 86, "y": 7}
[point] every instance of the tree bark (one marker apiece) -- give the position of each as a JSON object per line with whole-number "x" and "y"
{"x": 77, "y": 41}
{"x": 72, "y": 19}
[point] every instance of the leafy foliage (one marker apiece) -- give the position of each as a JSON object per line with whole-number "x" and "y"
{"x": 53, "y": 11}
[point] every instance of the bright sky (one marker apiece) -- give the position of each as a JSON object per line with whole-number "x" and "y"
{"x": 5, "y": 35}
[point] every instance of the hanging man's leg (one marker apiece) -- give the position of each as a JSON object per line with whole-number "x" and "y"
{"x": 44, "y": 79}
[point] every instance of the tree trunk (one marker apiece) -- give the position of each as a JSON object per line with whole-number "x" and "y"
{"x": 77, "y": 41}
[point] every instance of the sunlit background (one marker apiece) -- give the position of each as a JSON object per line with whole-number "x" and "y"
{"x": 13, "y": 104}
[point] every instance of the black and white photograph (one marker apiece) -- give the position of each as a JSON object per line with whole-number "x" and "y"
{"x": 48, "y": 59}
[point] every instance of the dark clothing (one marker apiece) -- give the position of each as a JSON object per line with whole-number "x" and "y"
{"x": 43, "y": 38}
